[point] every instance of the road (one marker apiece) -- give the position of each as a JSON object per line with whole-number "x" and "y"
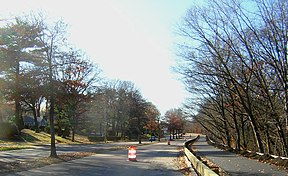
{"x": 152, "y": 160}
{"x": 44, "y": 150}
{"x": 234, "y": 164}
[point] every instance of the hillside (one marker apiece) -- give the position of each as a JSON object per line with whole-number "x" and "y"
{"x": 29, "y": 138}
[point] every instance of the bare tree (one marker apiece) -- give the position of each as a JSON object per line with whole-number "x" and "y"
{"x": 238, "y": 59}
{"x": 52, "y": 38}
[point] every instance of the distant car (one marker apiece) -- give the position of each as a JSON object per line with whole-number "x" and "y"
{"x": 152, "y": 138}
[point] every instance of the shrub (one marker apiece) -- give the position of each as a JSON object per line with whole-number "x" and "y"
{"x": 96, "y": 138}
{"x": 113, "y": 138}
{"x": 101, "y": 138}
{"x": 8, "y": 130}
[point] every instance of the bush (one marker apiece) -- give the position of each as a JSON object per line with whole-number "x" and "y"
{"x": 96, "y": 138}
{"x": 47, "y": 129}
{"x": 101, "y": 138}
{"x": 8, "y": 130}
{"x": 113, "y": 138}
{"x": 148, "y": 136}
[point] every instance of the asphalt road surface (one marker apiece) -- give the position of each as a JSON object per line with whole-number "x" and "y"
{"x": 152, "y": 160}
{"x": 235, "y": 164}
{"x": 44, "y": 150}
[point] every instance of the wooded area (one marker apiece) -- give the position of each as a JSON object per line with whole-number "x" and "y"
{"x": 43, "y": 76}
{"x": 234, "y": 64}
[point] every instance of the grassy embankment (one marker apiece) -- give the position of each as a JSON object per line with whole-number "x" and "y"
{"x": 29, "y": 138}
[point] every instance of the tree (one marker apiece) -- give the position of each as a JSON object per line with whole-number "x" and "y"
{"x": 138, "y": 119}
{"x": 78, "y": 78}
{"x": 175, "y": 121}
{"x": 235, "y": 59}
{"x": 32, "y": 91}
{"x": 51, "y": 38}
{"x": 6, "y": 110}
{"x": 152, "y": 114}
{"x": 18, "y": 44}
{"x": 118, "y": 109}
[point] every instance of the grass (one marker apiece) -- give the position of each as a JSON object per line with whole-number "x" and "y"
{"x": 6, "y": 148}
{"x": 29, "y": 138}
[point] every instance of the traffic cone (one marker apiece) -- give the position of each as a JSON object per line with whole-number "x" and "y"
{"x": 132, "y": 153}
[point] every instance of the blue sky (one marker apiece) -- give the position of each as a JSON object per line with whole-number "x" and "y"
{"x": 131, "y": 40}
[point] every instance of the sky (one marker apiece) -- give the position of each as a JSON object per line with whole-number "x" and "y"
{"x": 130, "y": 40}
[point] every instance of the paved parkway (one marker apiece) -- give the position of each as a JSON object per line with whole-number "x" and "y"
{"x": 156, "y": 159}
{"x": 235, "y": 164}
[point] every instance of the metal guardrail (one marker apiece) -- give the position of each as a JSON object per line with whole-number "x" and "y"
{"x": 200, "y": 168}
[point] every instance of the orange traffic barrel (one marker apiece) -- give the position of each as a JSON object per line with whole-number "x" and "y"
{"x": 132, "y": 153}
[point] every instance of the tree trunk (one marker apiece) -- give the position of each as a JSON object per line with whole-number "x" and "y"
{"x": 243, "y": 132}
{"x": 140, "y": 138}
{"x": 73, "y": 135}
{"x": 38, "y": 108}
{"x": 286, "y": 110}
{"x": 18, "y": 117}
{"x": 170, "y": 132}
{"x": 74, "y": 122}
{"x": 159, "y": 131}
{"x": 236, "y": 124}
{"x": 238, "y": 136}
{"x": 52, "y": 129}
{"x": 36, "y": 125}
{"x": 52, "y": 104}
{"x": 256, "y": 134}
{"x": 282, "y": 138}
{"x": 227, "y": 134}
{"x": 100, "y": 128}
{"x": 285, "y": 71}
{"x": 247, "y": 105}
{"x": 105, "y": 132}
{"x": 268, "y": 141}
